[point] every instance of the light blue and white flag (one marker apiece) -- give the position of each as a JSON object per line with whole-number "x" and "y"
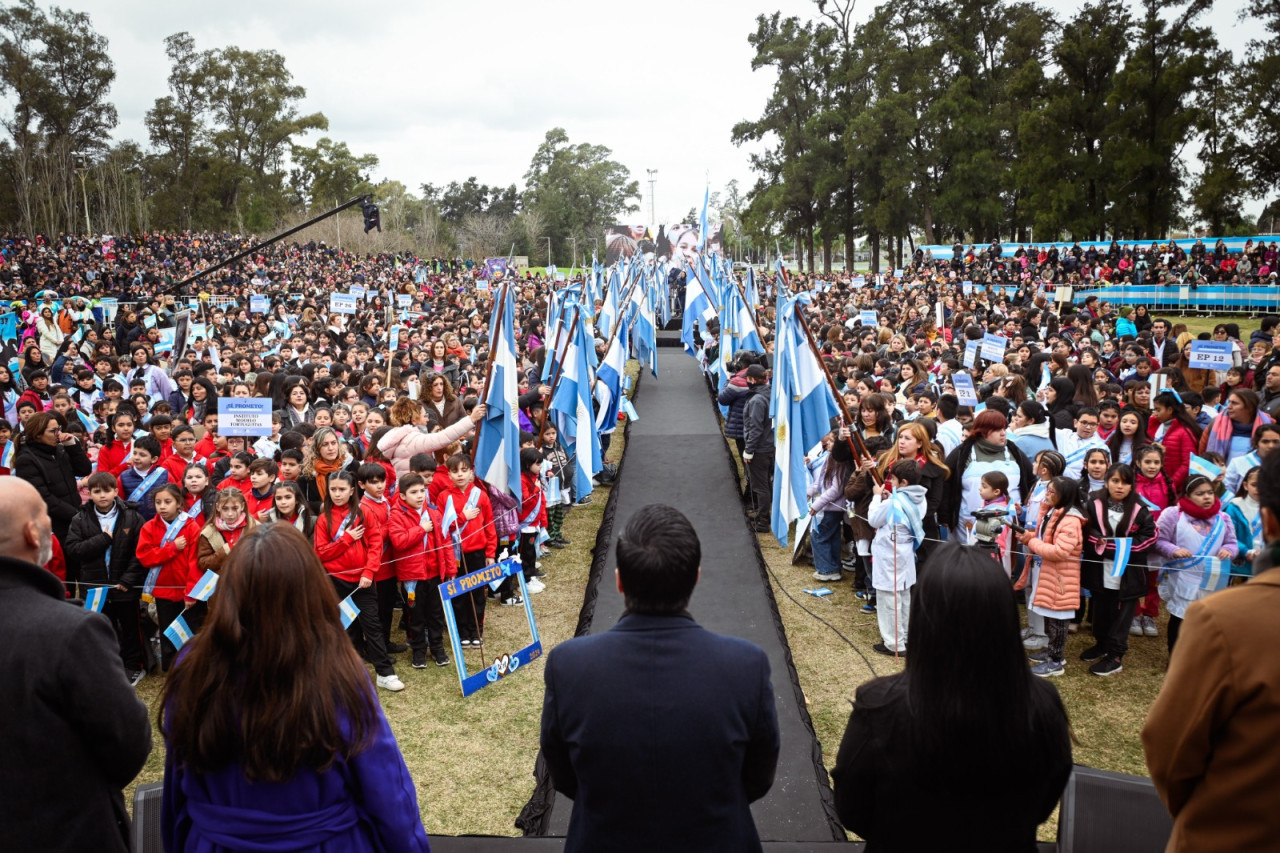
{"x": 498, "y": 439}
{"x": 697, "y": 306}
{"x": 702, "y": 220}
{"x": 179, "y": 633}
{"x": 348, "y": 611}
{"x": 1124, "y": 550}
{"x": 95, "y": 599}
{"x": 644, "y": 331}
{"x": 1217, "y": 574}
{"x": 802, "y": 408}
{"x": 571, "y": 408}
{"x": 1204, "y": 468}
{"x": 608, "y": 385}
{"x": 205, "y": 586}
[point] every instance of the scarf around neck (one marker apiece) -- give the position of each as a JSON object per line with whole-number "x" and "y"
{"x": 226, "y": 527}
{"x": 1196, "y": 511}
{"x": 323, "y": 469}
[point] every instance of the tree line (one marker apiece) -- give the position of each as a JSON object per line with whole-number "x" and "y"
{"x": 227, "y": 151}
{"x": 969, "y": 121}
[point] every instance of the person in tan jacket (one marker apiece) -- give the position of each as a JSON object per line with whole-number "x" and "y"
{"x": 1210, "y": 738}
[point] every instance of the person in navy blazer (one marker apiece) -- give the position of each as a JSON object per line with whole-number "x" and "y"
{"x": 662, "y": 733}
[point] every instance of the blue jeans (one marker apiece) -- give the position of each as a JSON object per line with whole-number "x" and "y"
{"x": 825, "y": 539}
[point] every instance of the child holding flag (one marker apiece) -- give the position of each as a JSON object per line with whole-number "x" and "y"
{"x": 166, "y": 546}
{"x": 423, "y": 557}
{"x": 103, "y": 539}
{"x": 1120, "y": 532}
{"x": 1195, "y": 537}
{"x": 467, "y": 519}
{"x": 377, "y": 507}
{"x": 898, "y": 518}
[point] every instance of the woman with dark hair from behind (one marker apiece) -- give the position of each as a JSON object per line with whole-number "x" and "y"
{"x": 257, "y": 757}
{"x": 964, "y": 719}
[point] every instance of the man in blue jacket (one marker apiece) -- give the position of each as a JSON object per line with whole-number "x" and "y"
{"x": 660, "y": 731}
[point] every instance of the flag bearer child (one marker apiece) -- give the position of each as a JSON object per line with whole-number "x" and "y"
{"x": 423, "y": 557}
{"x": 467, "y": 518}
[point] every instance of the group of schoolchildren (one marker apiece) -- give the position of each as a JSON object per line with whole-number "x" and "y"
{"x": 162, "y": 510}
{"x": 1111, "y": 543}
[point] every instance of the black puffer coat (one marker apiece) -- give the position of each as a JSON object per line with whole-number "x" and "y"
{"x": 53, "y": 471}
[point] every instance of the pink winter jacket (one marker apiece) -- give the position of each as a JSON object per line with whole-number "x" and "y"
{"x": 400, "y": 444}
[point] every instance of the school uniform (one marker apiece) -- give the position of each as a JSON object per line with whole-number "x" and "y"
{"x": 111, "y": 560}
{"x": 1203, "y": 537}
{"x": 384, "y": 579}
{"x": 423, "y": 559}
{"x": 114, "y": 457}
{"x": 347, "y": 560}
{"x": 138, "y": 488}
{"x": 176, "y": 575}
{"x": 177, "y": 465}
{"x": 1115, "y": 588}
{"x": 260, "y": 503}
{"x": 475, "y": 546}
{"x": 533, "y": 518}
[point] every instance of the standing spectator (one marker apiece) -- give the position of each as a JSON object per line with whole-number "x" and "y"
{"x": 1210, "y": 736}
{"x": 758, "y": 448}
{"x": 78, "y": 734}
{"x": 51, "y": 459}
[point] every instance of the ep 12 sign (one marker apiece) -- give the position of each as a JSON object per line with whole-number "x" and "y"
{"x": 1211, "y": 355}
{"x": 247, "y": 416}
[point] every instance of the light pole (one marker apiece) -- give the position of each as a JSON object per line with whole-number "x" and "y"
{"x": 575, "y": 251}
{"x": 549, "y": 252}
{"x": 82, "y": 169}
{"x": 653, "y": 217}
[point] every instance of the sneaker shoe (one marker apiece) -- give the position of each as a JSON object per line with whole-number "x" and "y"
{"x": 465, "y": 642}
{"x": 885, "y": 650}
{"x": 1035, "y": 643}
{"x": 827, "y": 576}
{"x": 440, "y": 658}
{"x": 555, "y": 543}
{"x": 419, "y": 659}
{"x": 1092, "y": 654}
{"x": 1073, "y": 627}
{"x": 562, "y": 541}
{"x": 1039, "y": 657}
{"x": 861, "y": 594}
{"x": 135, "y": 676}
{"x": 535, "y": 586}
{"x": 1049, "y": 669}
{"x": 397, "y": 648}
{"x": 391, "y": 682}
{"x": 513, "y": 601}
{"x": 1109, "y": 665}
{"x": 761, "y": 528}
{"x": 1135, "y": 628}
{"x": 869, "y": 607}
{"x": 1149, "y": 627}
{"x": 584, "y": 501}
{"x": 1026, "y": 632}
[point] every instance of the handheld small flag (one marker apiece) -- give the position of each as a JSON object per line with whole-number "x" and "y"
{"x": 179, "y": 633}
{"x": 1216, "y": 574}
{"x": 205, "y": 586}
{"x": 348, "y": 611}
{"x": 1204, "y": 468}
{"x": 411, "y": 591}
{"x": 95, "y": 598}
{"x": 1124, "y": 549}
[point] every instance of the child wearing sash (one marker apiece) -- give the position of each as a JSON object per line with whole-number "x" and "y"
{"x": 533, "y": 518}
{"x": 143, "y": 478}
{"x": 467, "y": 518}
{"x": 198, "y": 493}
{"x": 166, "y": 546}
{"x": 423, "y": 557}
{"x": 1155, "y": 491}
{"x": 290, "y": 507}
{"x": 1246, "y": 518}
{"x": 349, "y": 544}
{"x": 1192, "y": 536}
{"x": 897, "y": 514}
{"x": 1120, "y": 532}
{"x": 377, "y": 507}
{"x": 1048, "y": 464}
{"x": 103, "y": 538}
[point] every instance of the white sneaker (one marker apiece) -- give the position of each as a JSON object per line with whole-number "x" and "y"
{"x": 391, "y": 682}
{"x": 1135, "y": 628}
{"x": 534, "y": 585}
{"x": 1149, "y": 627}
{"x": 1033, "y": 643}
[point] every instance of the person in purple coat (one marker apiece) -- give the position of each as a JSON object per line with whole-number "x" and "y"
{"x": 257, "y": 757}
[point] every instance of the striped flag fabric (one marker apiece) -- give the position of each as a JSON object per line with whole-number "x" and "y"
{"x": 571, "y": 408}
{"x": 205, "y": 586}
{"x": 1124, "y": 550}
{"x": 1217, "y": 573}
{"x": 498, "y": 439}
{"x": 697, "y": 305}
{"x": 1204, "y": 468}
{"x": 348, "y": 611}
{"x": 608, "y": 384}
{"x": 95, "y": 599}
{"x": 179, "y": 633}
{"x": 644, "y": 331}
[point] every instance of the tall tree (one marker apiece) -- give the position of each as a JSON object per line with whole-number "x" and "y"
{"x": 329, "y": 173}
{"x": 1258, "y": 84}
{"x": 578, "y": 187}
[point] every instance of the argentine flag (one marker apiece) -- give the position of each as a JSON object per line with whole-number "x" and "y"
{"x": 205, "y": 586}
{"x": 498, "y": 439}
{"x": 802, "y": 408}
{"x": 347, "y": 611}
{"x": 95, "y": 599}
{"x": 697, "y": 306}
{"x": 644, "y": 331}
{"x": 737, "y": 330}
{"x": 609, "y": 311}
{"x": 608, "y": 384}
{"x": 574, "y": 418}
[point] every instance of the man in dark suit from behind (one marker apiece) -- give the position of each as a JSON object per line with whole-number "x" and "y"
{"x": 660, "y": 731}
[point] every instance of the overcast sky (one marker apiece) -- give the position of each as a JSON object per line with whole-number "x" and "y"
{"x": 443, "y": 91}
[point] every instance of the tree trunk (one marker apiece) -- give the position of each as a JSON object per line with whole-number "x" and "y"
{"x": 826, "y": 254}
{"x": 873, "y": 243}
{"x": 809, "y": 246}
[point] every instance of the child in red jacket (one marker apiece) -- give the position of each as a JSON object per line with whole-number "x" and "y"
{"x": 377, "y": 507}
{"x": 423, "y": 557}
{"x": 533, "y": 519}
{"x": 167, "y": 547}
{"x": 349, "y": 544}
{"x": 467, "y": 518}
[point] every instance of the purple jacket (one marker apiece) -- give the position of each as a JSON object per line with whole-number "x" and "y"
{"x": 367, "y": 803}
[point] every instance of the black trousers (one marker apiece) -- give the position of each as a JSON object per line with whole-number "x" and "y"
{"x": 760, "y": 472}
{"x": 1111, "y": 620}
{"x": 166, "y": 612}
{"x": 468, "y": 609}
{"x": 122, "y": 609}
{"x": 388, "y": 595}
{"x": 1174, "y": 629}
{"x": 426, "y": 618}
{"x": 375, "y": 648}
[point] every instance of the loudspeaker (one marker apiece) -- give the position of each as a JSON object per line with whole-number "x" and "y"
{"x": 1103, "y": 811}
{"x": 147, "y": 806}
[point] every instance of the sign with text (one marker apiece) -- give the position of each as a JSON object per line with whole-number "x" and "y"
{"x": 993, "y": 347}
{"x": 357, "y": 291}
{"x": 508, "y": 662}
{"x": 247, "y": 416}
{"x": 1211, "y": 355}
{"x": 258, "y": 304}
{"x": 971, "y": 353}
{"x": 342, "y": 303}
{"x": 868, "y": 318}
{"x": 965, "y": 391}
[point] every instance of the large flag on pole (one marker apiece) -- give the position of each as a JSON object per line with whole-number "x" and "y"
{"x": 644, "y": 332}
{"x": 608, "y": 386}
{"x": 702, "y": 220}
{"x": 697, "y": 305}
{"x": 802, "y": 408}
{"x": 571, "y": 407}
{"x": 498, "y": 442}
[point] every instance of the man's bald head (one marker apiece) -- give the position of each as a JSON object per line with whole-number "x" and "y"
{"x": 25, "y": 528}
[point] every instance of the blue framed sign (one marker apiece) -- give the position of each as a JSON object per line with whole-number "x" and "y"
{"x": 505, "y": 664}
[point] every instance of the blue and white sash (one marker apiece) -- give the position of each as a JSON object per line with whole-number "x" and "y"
{"x": 1208, "y": 545}
{"x": 342, "y": 528}
{"x": 903, "y": 511}
{"x": 528, "y": 520}
{"x": 140, "y": 491}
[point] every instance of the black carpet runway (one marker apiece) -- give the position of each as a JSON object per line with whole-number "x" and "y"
{"x": 677, "y": 455}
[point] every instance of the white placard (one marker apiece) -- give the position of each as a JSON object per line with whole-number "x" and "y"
{"x": 868, "y": 318}
{"x": 971, "y": 353}
{"x": 342, "y": 303}
{"x": 993, "y": 347}
{"x": 965, "y": 391}
{"x": 1211, "y": 355}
